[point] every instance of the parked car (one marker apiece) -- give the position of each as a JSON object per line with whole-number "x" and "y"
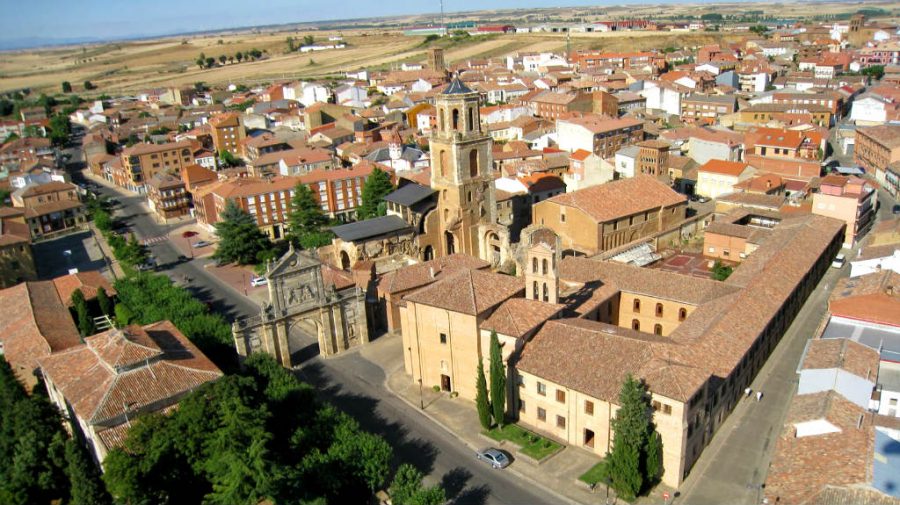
{"x": 495, "y": 457}
{"x": 258, "y": 281}
{"x": 838, "y": 261}
{"x": 200, "y": 243}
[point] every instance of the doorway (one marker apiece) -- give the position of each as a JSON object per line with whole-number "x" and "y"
{"x": 588, "y": 438}
{"x": 445, "y": 383}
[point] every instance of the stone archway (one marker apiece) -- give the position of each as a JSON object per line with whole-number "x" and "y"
{"x": 428, "y": 253}
{"x": 450, "y": 243}
{"x": 345, "y": 260}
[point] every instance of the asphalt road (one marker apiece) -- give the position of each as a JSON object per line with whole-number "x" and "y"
{"x": 354, "y": 384}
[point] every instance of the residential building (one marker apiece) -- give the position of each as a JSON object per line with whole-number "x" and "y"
{"x": 586, "y": 169}
{"x": 16, "y": 257}
{"x": 718, "y": 177}
{"x": 849, "y": 199}
{"x": 227, "y": 132}
{"x": 267, "y": 200}
{"x": 783, "y": 143}
{"x": 553, "y": 105}
{"x": 653, "y": 159}
{"x": 706, "y": 109}
{"x": 597, "y": 134}
{"x": 118, "y": 375}
{"x": 50, "y": 208}
{"x": 762, "y": 113}
{"x": 876, "y": 148}
{"x": 610, "y": 215}
{"x": 142, "y": 161}
{"x": 168, "y": 197}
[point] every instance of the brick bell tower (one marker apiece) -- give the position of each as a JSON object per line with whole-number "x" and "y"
{"x": 461, "y": 169}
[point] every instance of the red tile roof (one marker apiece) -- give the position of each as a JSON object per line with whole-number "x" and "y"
{"x": 88, "y": 282}
{"x": 732, "y": 168}
{"x": 624, "y": 197}
{"x": 469, "y": 292}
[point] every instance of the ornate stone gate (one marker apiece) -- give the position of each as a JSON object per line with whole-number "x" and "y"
{"x": 298, "y": 295}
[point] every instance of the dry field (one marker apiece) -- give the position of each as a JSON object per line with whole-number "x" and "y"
{"x": 137, "y": 65}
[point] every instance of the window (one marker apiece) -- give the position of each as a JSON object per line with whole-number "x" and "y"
{"x": 443, "y": 338}
{"x": 657, "y": 329}
{"x": 589, "y": 407}
{"x": 562, "y": 216}
{"x": 534, "y": 263}
{"x": 637, "y": 305}
{"x": 544, "y": 266}
{"x": 560, "y": 396}
{"x": 522, "y": 406}
{"x": 682, "y": 314}
{"x": 635, "y": 325}
{"x": 541, "y": 414}
{"x": 546, "y": 293}
{"x": 542, "y": 389}
{"x": 659, "y": 310}
{"x": 560, "y": 422}
{"x": 712, "y": 249}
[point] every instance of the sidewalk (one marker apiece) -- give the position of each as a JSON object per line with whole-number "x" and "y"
{"x": 557, "y": 474}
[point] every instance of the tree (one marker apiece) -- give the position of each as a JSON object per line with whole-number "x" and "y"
{"x": 239, "y": 56}
{"x": 875, "y": 71}
{"x": 86, "y": 486}
{"x": 240, "y": 240}
{"x": 377, "y": 186}
{"x": 481, "y": 398}
{"x": 227, "y": 158}
{"x": 290, "y": 43}
{"x": 201, "y": 61}
{"x": 104, "y": 302}
{"x": 223, "y": 59}
{"x": 407, "y": 489}
{"x": 88, "y": 85}
{"x": 124, "y": 317}
{"x": 309, "y": 40}
{"x": 720, "y": 271}
{"x": 759, "y": 29}
{"x": 59, "y": 129}
{"x": 628, "y": 462}
{"x": 653, "y": 465}
{"x": 66, "y": 87}
{"x": 306, "y": 219}
{"x": 4, "y": 196}
{"x": 498, "y": 381}
{"x": 210, "y": 62}
{"x": 83, "y": 314}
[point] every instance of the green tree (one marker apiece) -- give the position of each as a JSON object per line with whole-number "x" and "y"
{"x": 481, "y": 398}
{"x": 223, "y": 59}
{"x": 309, "y": 40}
{"x": 377, "y": 186}
{"x": 4, "y": 197}
{"x": 88, "y": 85}
{"x": 66, "y": 87}
{"x": 498, "y": 381}
{"x": 653, "y": 465}
{"x": 84, "y": 478}
{"x": 720, "y": 271}
{"x": 240, "y": 239}
{"x": 210, "y": 62}
{"x": 875, "y": 71}
{"x": 227, "y": 158}
{"x": 290, "y": 43}
{"x": 124, "y": 316}
{"x": 201, "y": 61}
{"x": 627, "y": 462}
{"x": 239, "y": 56}
{"x": 306, "y": 219}
{"x": 59, "y": 129}
{"x": 104, "y": 302}
{"x": 407, "y": 489}
{"x": 83, "y": 314}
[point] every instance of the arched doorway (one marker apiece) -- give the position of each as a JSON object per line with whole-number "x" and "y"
{"x": 493, "y": 247}
{"x": 451, "y": 245}
{"x": 428, "y": 255}
{"x": 473, "y": 163}
{"x": 345, "y": 260}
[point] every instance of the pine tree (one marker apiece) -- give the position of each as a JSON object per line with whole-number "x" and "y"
{"x": 631, "y": 426}
{"x": 377, "y": 186}
{"x": 240, "y": 240}
{"x": 653, "y": 456}
{"x": 104, "y": 302}
{"x": 498, "y": 381}
{"x": 306, "y": 219}
{"x": 481, "y": 398}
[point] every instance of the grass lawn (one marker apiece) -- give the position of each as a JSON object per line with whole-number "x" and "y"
{"x": 532, "y": 444}
{"x": 595, "y": 474}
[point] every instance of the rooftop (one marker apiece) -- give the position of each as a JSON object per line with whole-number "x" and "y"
{"x": 623, "y": 197}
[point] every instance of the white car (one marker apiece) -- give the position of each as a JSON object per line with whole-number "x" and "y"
{"x": 200, "y": 243}
{"x": 838, "y": 261}
{"x": 258, "y": 281}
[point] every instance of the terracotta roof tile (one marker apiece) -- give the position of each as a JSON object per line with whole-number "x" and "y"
{"x": 843, "y": 353}
{"x": 420, "y": 274}
{"x": 517, "y": 317}
{"x": 620, "y": 198}
{"x": 88, "y": 282}
{"x": 469, "y": 291}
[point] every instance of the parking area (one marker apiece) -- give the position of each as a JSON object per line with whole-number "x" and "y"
{"x": 77, "y": 250}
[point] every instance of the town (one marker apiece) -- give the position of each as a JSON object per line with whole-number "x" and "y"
{"x": 573, "y": 275}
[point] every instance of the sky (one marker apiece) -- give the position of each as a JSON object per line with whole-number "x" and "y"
{"x": 65, "y": 20}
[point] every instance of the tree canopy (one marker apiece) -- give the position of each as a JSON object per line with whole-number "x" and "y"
{"x": 306, "y": 219}
{"x": 240, "y": 240}
{"x": 634, "y": 464}
{"x": 377, "y": 186}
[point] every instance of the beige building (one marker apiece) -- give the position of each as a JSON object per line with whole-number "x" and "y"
{"x": 142, "y": 161}
{"x": 850, "y": 199}
{"x": 611, "y": 215}
{"x": 442, "y": 342}
{"x": 227, "y": 133}
{"x": 719, "y": 177}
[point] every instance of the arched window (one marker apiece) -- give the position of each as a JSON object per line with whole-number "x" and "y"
{"x": 535, "y": 290}
{"x": 659, "y": 310}
{"x": 682, "y": 314}
{"x": 455, "y": 122}
{"x": 471, "y": 118}
{"x": 657, "y": 329}
{"x": 546, "y": 293}
{"x": 441, "y": 123}
{"x": 635, "y": 325}
{"x": 637, "y": 305}
{"x": 534, "y": 265}
{"x": 544, "y": 266}
{"x": 473, "y": 163}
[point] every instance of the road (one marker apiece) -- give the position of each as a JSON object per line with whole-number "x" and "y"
{"x": 353, "y": 383}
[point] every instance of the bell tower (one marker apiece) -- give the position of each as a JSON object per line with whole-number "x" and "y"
{"x": 542, "y": 257}
{"x": 461, "y": 170}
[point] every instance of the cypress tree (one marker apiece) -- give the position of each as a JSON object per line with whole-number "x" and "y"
{"x": 631, "y": 426}
{"x": 83, "y": 315}
{"x": 498, "y": 381}
{"x": 653, "y": 456}
{"x": 84, "y": 478}
{"x": 481, "y": 398}
{"x": 104, "y": 302}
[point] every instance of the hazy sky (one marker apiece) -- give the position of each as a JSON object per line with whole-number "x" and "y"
{"x": 66, "y": 19}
